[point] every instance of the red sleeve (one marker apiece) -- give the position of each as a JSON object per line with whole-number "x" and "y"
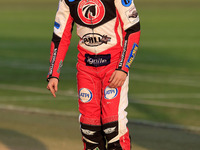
{"x": 61, "y": 40}
{"x": 130, "y": 47}
{"x": 130, "y": 23}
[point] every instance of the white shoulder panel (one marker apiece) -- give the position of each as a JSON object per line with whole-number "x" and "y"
{"x": 127, "y": 12}
{"x": 62, "y": 16}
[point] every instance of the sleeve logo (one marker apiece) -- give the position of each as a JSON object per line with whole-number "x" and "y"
{"x": 132, "y": 56}
{"x": 56, "y": 25}
{"x": 126, "y": 3}
{"x": 60, "y": 66}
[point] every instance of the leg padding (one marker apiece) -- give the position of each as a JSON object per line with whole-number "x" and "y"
{"x": 93, "y": 137}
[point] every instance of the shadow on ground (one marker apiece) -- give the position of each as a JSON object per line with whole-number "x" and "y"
{"x": 63, "y": 133}
{"x": 17, "y": 141}
{"x": 157, "y": 138}
{"x": 154, "y": 138}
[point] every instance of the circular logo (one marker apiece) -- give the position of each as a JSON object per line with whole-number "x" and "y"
{"x": 110, "y": 93}
{"x": 91, "y": 12}
{"x": 85, "y": 95}
{"x": 126, "y": 3}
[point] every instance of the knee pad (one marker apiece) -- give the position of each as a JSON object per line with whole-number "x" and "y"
{"x": 114, "y": 146}
{"x": 116, "y": 141}
{"x": 93, "y": 138}
{"x": 111, "y": 131}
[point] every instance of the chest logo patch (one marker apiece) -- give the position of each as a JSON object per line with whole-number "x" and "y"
{"x": 91, "y": 12}
{"x": 95, "y": 39}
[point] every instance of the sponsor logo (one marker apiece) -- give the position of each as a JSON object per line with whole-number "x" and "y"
{"x": 56, "y": 25}
{"x": 95, "y": 39}
{"x": 132, "y": 55}
{"x": 85, "y": 95}
{"x": 109, "y": 130}
{"x": 97, "y": 60}
{"x": 53, "y": 61}
{"x": 71, "y": 0}
{"x": 132, "y": 14}
{"x": 88, "y": 132}
{"x": 126, "y": 3}
{"x": 110, "y": 93}
{"x": 123, "y": 53}
{"x": 60, "y": 66}
{"x": 91, "y": 12}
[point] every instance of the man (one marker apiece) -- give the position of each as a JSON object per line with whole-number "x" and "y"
{"x": 109, "y": 32}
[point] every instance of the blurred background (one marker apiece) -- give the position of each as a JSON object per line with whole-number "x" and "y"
{"x": 164, "y": 93}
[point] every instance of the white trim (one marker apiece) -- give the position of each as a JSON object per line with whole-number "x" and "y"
{"x": 122, "y": 106}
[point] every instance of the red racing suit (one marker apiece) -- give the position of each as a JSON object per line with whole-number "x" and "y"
{"x": 109, "y": 32}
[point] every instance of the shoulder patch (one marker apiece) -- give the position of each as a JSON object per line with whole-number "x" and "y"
{"x": 126, "y": 3}
{"x": 56, "y": 25}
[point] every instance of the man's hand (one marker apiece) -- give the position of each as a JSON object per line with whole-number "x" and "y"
{"x": 117, "y": 79}
{"x": 53, "y": 86}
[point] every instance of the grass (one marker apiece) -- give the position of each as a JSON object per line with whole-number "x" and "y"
{"x": 50, "y": 133}
{"x": 167, "y": 64}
